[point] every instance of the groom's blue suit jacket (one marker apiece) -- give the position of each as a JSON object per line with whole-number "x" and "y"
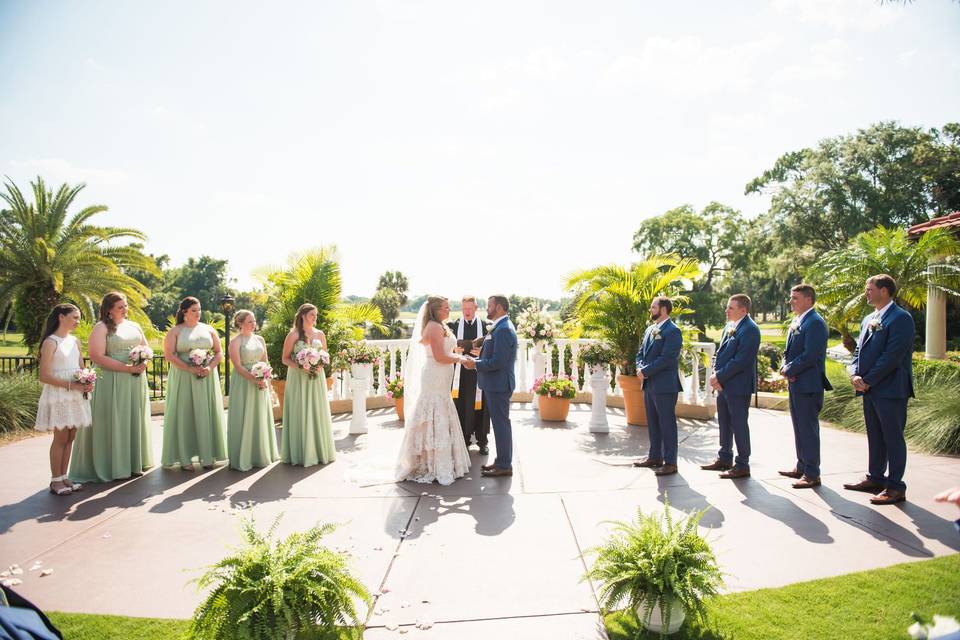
{"x": 497, "y": 357}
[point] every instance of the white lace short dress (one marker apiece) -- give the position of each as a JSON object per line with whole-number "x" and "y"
{"x": 59, "y": 408}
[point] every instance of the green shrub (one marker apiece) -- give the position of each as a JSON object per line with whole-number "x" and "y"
{"x": 276, "y": 590}
{"x": 656, "y": 557}
{"x": 773, "y": 353}
{"x": 19, "y": 394}
{"x": 923, "y": 368}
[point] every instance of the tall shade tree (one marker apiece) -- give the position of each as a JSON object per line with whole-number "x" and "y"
{"x": 314, "y": 277}
{"x": 396, "y": 281}
{"x": 48, "y": 256}
{"x": 884, "y": 175}
{"x": 927, "y": 261}
{"x": 613, "y": 302}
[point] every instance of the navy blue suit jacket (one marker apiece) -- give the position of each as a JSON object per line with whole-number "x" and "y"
{"x": 736, "y": 364}
{"x": 883, "y": 357}
{"x": 659, "y": 358}
{"x": 497, "y": 357}
{"x": 806, "y": 355}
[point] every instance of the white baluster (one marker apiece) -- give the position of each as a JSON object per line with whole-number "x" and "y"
{"x": 709, "y": 348}
{"x": 574, "y": 367}
{"x": 360, "y": 386}
{"x": 522, "y": 356}
{"x": 382, "y": 376}
{"x": 617, "y": 391}
{"x": 561, "y": 349}
{"x": 599, "y": 384}
{"x": 695, "y": 379}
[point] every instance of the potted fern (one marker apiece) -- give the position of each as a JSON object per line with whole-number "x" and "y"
{"x": 269, "y": 590}
{"x": 659, "y": 567}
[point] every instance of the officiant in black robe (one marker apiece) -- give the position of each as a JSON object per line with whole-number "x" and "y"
{"x": 474, "y": 419}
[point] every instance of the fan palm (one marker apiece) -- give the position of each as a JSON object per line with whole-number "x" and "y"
{"x": 48, "y": 256}
{"x": 613, "y": 302}
{"x": 313, "y": 277}
{"x": 929, "y": 261}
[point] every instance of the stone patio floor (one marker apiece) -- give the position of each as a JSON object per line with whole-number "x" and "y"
{"x": 485, "y": 557}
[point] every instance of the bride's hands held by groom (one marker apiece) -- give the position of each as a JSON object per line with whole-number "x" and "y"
{"x": 469, "y": 363}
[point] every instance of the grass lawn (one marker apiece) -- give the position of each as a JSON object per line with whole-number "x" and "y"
{"x": 870, "y": 604}
{"x": 11, "y": 345}
{"x": 82, "y": 626}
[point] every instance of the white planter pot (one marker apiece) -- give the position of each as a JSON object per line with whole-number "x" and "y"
{"x": 677, "y": 616}
{"x": 364, "y": 371}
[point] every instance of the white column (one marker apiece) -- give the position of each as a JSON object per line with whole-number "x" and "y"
{"x": 695, "y": 378}
{"x": 708, "y": 348}
{"x": 539, "y": 369}
{"x": 359, "y": 385}
{"x": 936, "y": 347}
{"x": 522, "y": 355}
{"x": 599, "y": 384}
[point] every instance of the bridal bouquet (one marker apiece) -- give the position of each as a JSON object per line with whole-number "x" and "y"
{"x": 534, "y": 324}
{"x": 140, "y": 354}
{"x": 200, "y": 358}
{"x": 312, "y": 360}
{"x": 262, "y": 371}
{"x": 85, "y": 377}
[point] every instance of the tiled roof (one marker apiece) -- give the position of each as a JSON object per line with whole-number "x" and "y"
{"x": 948, "y": 221}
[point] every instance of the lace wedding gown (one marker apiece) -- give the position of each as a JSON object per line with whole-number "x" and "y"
{"x": 433, "y": 447}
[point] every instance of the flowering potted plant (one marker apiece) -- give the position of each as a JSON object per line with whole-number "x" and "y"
{"x": 554, "y": 395}
{"x": 535, "y": 325}
{"x": 596, "y": 355}
{"x": 395, "y": 391}
{"x": 360, "y": 357}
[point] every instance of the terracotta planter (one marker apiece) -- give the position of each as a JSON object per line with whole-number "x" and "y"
{"x": 633, "y": 400}
{"x": 330, "y": 383}
{"x": 398, "y": 403}
{"x": 554, "y": 409}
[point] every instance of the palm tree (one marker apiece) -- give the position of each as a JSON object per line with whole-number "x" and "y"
{"x": 47, "y": 257}
{"x": 928, "y": 261}
{"x": 313, "y": 277}
{"x": 613, "y": 301}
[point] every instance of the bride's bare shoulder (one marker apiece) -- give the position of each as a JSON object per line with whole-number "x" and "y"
{"x": 432, "y": 329}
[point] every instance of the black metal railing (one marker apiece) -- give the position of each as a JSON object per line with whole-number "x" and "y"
{"x": 157, "y": 371}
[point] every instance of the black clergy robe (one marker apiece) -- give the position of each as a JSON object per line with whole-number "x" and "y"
{"x": 474, "y": 422}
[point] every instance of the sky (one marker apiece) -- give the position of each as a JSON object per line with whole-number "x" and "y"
{"x": 476, "y": 147}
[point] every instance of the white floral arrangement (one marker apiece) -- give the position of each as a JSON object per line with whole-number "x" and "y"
{"x": 534, "y": 324}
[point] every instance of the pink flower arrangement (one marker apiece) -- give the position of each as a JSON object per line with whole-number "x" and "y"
{"x": 200, "y": 358}
{"x": 312, "y": 360}
{"x": 553, "y": 386}
{"x": 140, "y": 354}
{"x": 85, "y": 377}
{"x": 395, "y": 387}
{"x": 261, "y": 371}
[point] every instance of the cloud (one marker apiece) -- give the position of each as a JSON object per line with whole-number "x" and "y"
{"x": 840, "y": 15}
{"x": 688, "y": 67}
{"x": 827, "y": 61}
{"x": 58, "y": 170}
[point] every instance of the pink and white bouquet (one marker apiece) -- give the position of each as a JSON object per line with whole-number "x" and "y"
{"x": 200, "y": 358}
{"x": 140, "y": 354}
{"x": 85, "y": 377}
{"x": 312, "y": 360}
{"x": 262, "y": 371}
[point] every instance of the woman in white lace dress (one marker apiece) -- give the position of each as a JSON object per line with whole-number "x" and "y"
{"x": 62, "y": 407}
{"x": 433, "y": 447}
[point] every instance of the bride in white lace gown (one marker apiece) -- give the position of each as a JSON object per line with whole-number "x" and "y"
{"x": 433, "y": 447}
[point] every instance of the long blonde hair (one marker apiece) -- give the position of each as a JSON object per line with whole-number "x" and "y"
{"x": 434, "y": 303}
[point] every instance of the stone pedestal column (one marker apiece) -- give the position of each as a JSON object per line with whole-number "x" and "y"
{"x": 599, "y": 385}
{"x": 358, "y": 385}
{"x": 936, "y": 347}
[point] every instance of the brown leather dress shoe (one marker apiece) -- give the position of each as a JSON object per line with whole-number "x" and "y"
{"x": 889, "y": 496}
{"x": 806, "y": 483}
{"x": 497, "y": 473}
{"x": 796, "y": 474}
{"x": 487, "y": 467}
{"x": 666, "y": 470}
{"x": 736, "y": 472}
{"x": 648, "y": 462}
{"x": 716, "y": 465}
{"x": 866, "y": 485}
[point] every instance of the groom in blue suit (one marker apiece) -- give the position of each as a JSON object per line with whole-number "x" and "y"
{"x": 496, "y": 378}
{"x": 735, "y": 380}
{"x": 882, "y": 372}
{"x": 657, "y": 368}
{"x": 804, "y": 367}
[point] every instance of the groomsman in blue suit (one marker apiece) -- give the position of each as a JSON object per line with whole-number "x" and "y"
{"x": 658, "y": 369}
{"x": 882, "y": 372}
{"x": 804, "y": 367}
{"x": 735, "y": 380}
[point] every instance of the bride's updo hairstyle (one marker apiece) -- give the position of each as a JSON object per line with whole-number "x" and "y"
{"x": 433, "y": 311}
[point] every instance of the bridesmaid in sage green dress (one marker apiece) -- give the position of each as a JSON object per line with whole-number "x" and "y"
{"x": 251, "y": 436}
{"x": 118, "y": 445}
{"x": 193, "y": 418}
{"x": 307, "y": 425}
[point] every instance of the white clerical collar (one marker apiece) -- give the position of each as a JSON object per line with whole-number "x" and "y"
{"x": 468, "y": 323}
{"x": 879, "y": 314}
